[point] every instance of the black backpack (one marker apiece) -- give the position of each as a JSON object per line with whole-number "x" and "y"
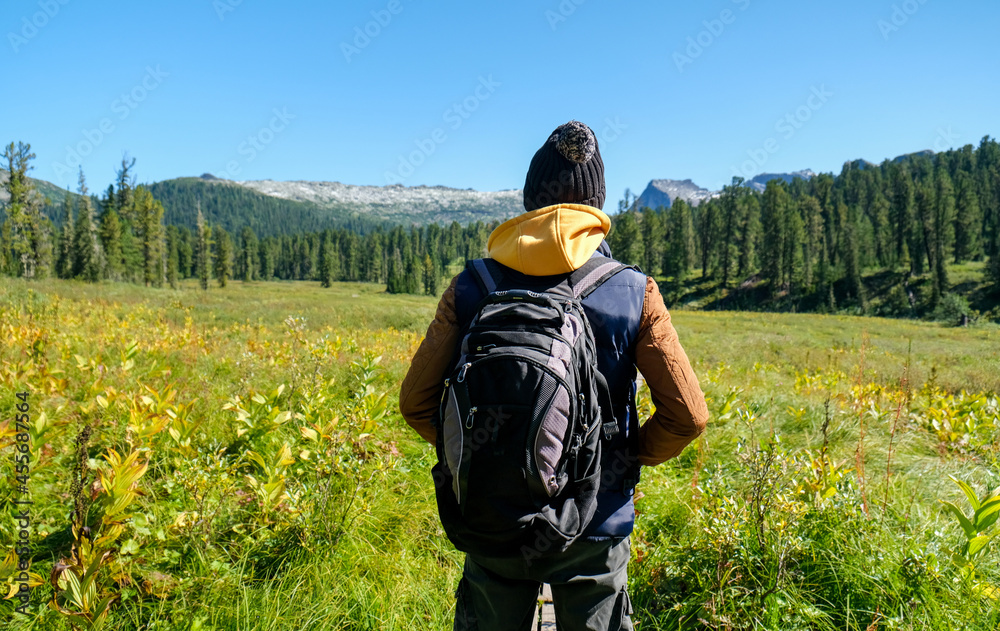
{"x": 522, "y": 416}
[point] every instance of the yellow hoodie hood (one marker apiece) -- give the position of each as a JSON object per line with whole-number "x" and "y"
{"x": 552, "y": 240}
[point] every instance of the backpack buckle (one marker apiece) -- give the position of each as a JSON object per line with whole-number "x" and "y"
{"x": 609, "y": 429}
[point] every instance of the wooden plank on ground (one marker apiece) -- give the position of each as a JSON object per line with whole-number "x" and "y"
{"x": 547, "y": 617}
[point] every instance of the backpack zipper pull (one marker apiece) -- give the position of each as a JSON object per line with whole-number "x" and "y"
{"x": 461, "y": 375}
{"x": 468, "y": 419}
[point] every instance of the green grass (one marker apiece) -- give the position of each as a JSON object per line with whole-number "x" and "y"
{"x": 729, "y": 535}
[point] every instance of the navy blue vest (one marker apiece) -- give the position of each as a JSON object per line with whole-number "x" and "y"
{"x": 614, "y": 310}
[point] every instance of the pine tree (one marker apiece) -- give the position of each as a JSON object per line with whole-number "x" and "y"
{"x": 7, "y": 265}
{"x": 993, "y": 269}
{"x": 730, "y": 207}
{"x": 849, "y": 254}
{"x": 968, "y": 221}
{"x": 926, "y": 208}
{"x": 944, "y": 225}
{"x": 707, "y": 231}
{"x": 223, "y": 263}
{"x": 248, "y": 254}
{"x": 111, "y": 239}
{"x": 812, "y": 216}
{"x": 267, "y": 256}
{"x": 430, "y": 276}
{"x": 749, "y": 235}
{"x": 22, "y": 207}
{"x": 653, "y": 238}
{"x": 65, "y": 263}
{"x": 901, "y": 210}
{"x": 376, "y": 267}
{"x": 203, "y": 254}
{"x": 185, "y": 253}
{"x": 42, "y": 231}
{"x": 774, "y": 213}
{"x": 625, "y": 239}
{"x": 87, "y": 252}
{"x": 884, "y": 250}
{"x": 125, "y": 180}
{"x": 132, "y": 263}
{"x": 148, "y": 217}
{"x": 396, "y": 278}
{"x": 329, "y": 270}
{"x": 792, "y": 257}
{"x": 679, "y": 256}
{"x": 173, "y": 255}
{"x": 413, "y": 273}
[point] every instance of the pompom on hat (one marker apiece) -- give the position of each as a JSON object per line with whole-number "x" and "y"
{"x": 566, "y": 170}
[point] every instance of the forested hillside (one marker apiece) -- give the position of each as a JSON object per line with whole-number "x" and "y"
{"x": 233, "y": 207}
{"x": 909, "y": 237}
{"x": 810, "y": 244}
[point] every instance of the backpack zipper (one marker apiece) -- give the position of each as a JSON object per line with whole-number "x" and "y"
{"x": 470, "y": 417}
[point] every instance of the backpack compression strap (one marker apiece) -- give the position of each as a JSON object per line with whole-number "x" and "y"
{"x": 487, "y": 274}
{"x": 593, "y": 273}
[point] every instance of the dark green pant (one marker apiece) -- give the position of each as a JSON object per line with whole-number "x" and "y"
{"x": 588, "y": 590}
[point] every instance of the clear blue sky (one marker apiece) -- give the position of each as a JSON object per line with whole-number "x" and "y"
{"x": 674, "y": 89}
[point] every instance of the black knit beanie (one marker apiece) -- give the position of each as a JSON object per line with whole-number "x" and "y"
{"x": 567, "y": 170}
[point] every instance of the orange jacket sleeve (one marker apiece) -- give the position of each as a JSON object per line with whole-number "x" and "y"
{"x": 681, "y": 413}
{"x": 420, "y": 394}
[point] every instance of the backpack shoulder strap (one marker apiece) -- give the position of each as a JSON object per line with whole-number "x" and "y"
{"x": 593, "y": 274}
{"x": 487, "y": 274}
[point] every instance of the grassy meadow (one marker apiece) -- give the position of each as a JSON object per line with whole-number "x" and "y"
{"x": 234, "y": 459}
